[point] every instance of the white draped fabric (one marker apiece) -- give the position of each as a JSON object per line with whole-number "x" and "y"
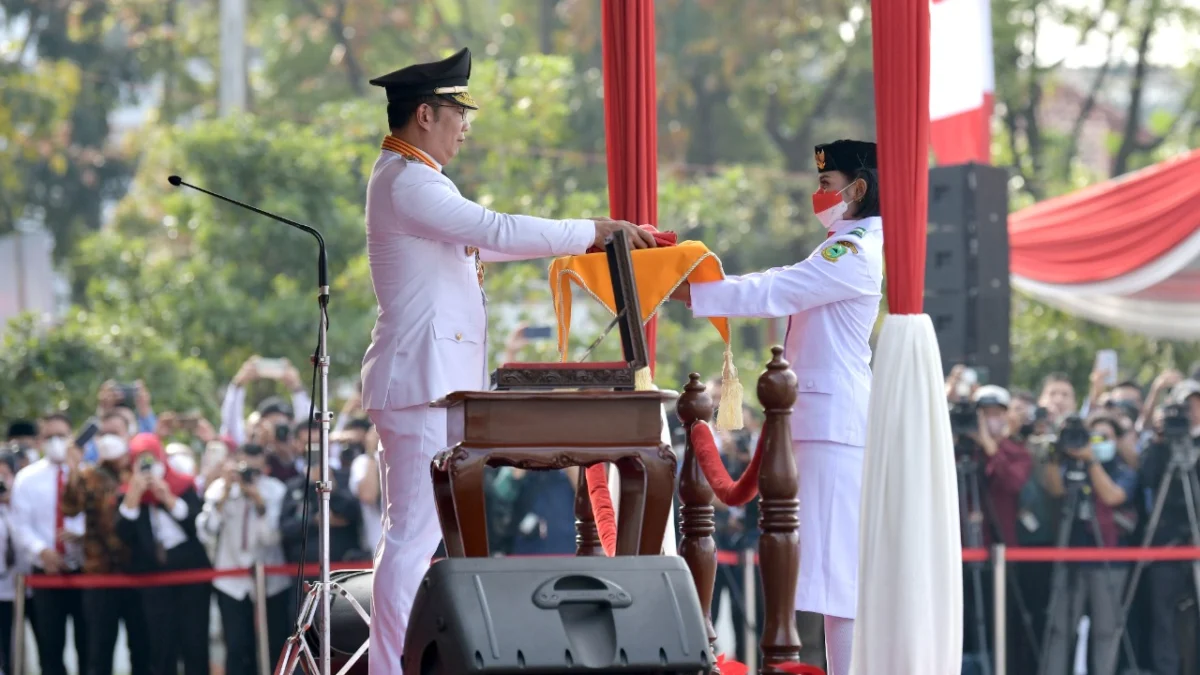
{"x": 910, "y": 554}
{"x": 1160, "y": 299}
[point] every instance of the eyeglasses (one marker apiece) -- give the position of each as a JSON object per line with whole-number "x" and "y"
{"x": 466, "y": 114}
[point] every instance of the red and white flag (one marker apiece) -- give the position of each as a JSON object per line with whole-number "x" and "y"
{"x": 962, "y": 81}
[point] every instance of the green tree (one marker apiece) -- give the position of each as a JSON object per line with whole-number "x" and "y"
{"x": 1046, "y": 340}
{"x": 62, "y": 369}
{"x": 67, "y": 67}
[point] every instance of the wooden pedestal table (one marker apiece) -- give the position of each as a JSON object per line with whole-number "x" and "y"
{"x": 554, "y": 430}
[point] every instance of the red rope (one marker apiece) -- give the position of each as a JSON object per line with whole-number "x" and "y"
{"x": 704, "y": 445}
{"x": 730, "y": 492}
{"x": 602, "y": 508}
{"x": 177, "y": 578}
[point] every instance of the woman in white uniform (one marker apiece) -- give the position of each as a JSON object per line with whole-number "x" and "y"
{"x": 831, "y": 299}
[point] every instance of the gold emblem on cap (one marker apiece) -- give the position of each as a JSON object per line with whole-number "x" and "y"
{"x": 820, "y": 160}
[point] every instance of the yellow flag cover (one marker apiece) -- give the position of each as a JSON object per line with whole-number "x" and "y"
{"x": 657, "y": 273}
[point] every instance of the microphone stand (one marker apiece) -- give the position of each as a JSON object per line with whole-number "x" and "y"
{"x": 324, "y": 416}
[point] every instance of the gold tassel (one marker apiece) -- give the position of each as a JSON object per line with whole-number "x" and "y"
{"x": 642, "y": 380}
{"x": 729, "y": 416}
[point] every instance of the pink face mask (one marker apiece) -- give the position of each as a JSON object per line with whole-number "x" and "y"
{"x": 996, "y": 427}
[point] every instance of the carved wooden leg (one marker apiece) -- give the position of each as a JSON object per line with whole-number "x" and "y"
{"x": 466, "y": 483}
{"x": 778, "y": 546}
{"x": 587, "y": 537}
{"x": 443, "y": 497}
{"x": 659, "y": 466}
{"x": 630, "y": 517}
{"x": 696, "y": 514}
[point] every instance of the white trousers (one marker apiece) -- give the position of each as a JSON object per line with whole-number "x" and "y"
{"x": 830, "y": 486}
{"x": 410, "y": 437}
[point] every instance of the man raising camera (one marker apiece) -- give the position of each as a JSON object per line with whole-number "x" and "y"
{"x": 240, "y": 526}
{"x": 1006, "y": 463}
{"x": 1085, "y": 466}
{"x": 1169, "y": 583}
{"x": 992, "y": 469}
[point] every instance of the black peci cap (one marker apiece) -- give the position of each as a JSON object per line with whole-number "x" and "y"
{"x": 446, "y": 78}
{"x": 20, "y": 428}
{"x": 846, "y": 156}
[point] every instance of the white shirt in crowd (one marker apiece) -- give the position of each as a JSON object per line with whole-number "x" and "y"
{"x": 372, "y": 525}
{"x": 238, "y": 536}
{"x": 165, "y": 525}
{"x": 34, "y": 512}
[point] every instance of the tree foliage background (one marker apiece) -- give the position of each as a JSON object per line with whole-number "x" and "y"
{"x": 179, "y": 289}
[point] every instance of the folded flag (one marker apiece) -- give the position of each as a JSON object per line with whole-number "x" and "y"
{"x": 657, "y": 273}
{"x": 660, "y": 238}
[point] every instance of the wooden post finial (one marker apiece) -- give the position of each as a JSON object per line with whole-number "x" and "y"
{"x": 777, "y": 386}
{"x": 695, "y": 403}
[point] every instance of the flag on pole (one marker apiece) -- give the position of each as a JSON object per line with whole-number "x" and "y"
{"x": 962, "y": 81}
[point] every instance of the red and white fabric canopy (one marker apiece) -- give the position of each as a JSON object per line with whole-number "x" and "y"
{"x": 1124, "y": 253}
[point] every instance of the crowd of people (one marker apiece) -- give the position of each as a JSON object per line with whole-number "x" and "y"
{"x": 128, "y": 489}
{"x": 1046, "y": 468}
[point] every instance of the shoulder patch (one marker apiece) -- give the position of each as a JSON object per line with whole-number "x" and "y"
{"x": 858, "y": 232}
{"x": 838, "y": 249}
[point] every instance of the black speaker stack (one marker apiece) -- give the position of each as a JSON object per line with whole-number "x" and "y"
{"x": 967, "y": 292}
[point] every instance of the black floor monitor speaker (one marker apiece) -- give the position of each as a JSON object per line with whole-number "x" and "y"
{"x": 495, "y": 616}
{"x": 967, "y": 293}
{"x": 347, "y": 629}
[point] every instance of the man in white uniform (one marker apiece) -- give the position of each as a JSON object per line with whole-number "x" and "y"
{"x": 425, "y": 244}
{"x": 832, "y": 301}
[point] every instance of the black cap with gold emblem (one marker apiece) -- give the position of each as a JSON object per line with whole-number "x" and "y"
{"x": 446, "y": 78}
{"x": 846, "y": 156}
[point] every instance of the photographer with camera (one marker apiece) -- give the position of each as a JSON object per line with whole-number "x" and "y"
{"x": 158, "y": 509}
{"x": 272, "y": 410}
{"x": 297, "y": 513}
{"x": 1168, "y": 473}
{"x": 93, "y": 491}
{"x": 1085, "y": 471}
{"x": 992, "y": 468}
{"x": 239, "y": 524}
{"x": 982, "y": 431}
{"x": 128, "y": 399}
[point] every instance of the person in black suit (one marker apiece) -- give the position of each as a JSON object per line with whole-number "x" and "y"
{"x": 158, "y": 522}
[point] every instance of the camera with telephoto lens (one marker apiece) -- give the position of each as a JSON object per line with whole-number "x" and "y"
{"x": 1176, "y": 426}
{"x": 964, "y": 418}
{"x": 247, "y": 473}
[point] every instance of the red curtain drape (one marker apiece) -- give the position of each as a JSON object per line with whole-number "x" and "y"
{"x": 900, "y": 31}
{"x": 631, "y": 117}
{"x": 1108, "y": 229}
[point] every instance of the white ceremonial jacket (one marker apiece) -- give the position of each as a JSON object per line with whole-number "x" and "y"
{"x": 832, "y": 301}
{"x": 430, "y": 336}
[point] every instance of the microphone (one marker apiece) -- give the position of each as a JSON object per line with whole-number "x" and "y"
{"x": 322, "y": 267}
{"x": 322, "y": 417}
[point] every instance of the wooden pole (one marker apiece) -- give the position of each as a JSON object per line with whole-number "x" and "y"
{"x": 779, "y": 520}
{"x": 696, "y": 515}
